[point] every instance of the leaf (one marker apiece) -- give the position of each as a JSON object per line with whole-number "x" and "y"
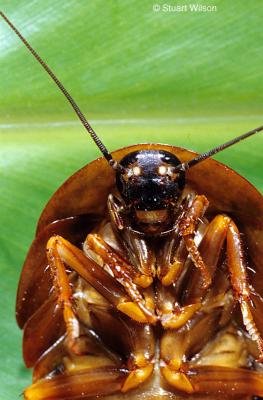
{"x": 193, "y": 80}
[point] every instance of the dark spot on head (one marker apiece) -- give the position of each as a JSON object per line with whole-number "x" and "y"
{"x": 149, "y": 182}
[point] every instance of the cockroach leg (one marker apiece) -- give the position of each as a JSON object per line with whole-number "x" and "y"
{"x": 175, "y": 315}
{"x": 239, "y": 280}
{"x": 187, "y": 227}
{"x": 122, "y": 271}
{"x": 35, "y": 283}
{"x": 140, "y": 254}
{"x": 141, "y": 360}
{"x": 220, "y": 228}
{"x": 115, "y": 210}
{"x": 101, "y": 280}
{"x": 61, "y": 283}
{"x": 81, "y": 384}
{"x": 210, "y": 372}
{"x": 172, "y": 314}
{"x": 210, "y": 249}
{"x": 197, "y": 259}
{"x": 177, "y": 345}
{"x": 59, "y": 358}
{"x": 134, "y": 342}
{"x": 169, "y": 272}
{"x": 221, "y": 365}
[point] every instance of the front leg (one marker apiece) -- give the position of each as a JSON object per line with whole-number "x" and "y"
{"x": 63, "y": 288}
{"x": 187, "y": 228}
{"x": 211, "y": 372}
{"x": 239, "y": 280}
{"x": 61, "y": 253}
{"x": 175, "y": 316}
{"x": 139, "y": 252}
{"x": 124, "y": 273}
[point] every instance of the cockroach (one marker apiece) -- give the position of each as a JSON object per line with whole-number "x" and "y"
{"x": 138, "y": 283}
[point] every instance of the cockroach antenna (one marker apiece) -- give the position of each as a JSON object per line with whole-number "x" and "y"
{"x": 113, "y": 163}
{"x": 203, "y": 156}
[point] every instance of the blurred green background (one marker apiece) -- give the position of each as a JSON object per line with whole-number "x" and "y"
{"x": 192, "y": 79}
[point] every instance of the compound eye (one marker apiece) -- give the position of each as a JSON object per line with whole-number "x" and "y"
{"x": 164, "y": 171}
{"x": 136, "y": 171}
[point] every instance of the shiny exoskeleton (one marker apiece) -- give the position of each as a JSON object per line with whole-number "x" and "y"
{"x": 137, "y": 281}
{"x": 150, "y": 189}
{"x": 148, "y": 180}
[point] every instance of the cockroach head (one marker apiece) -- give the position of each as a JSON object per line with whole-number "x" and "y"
{"x": 147, "y": 179}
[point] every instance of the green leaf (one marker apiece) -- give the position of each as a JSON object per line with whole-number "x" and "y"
{"x": 188, "y": 79}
